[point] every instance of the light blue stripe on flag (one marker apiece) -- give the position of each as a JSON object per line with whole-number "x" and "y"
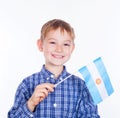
{"x": 97, "y": 80}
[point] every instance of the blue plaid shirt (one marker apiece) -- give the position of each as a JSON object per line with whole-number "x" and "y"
{"x": 70, "y": 99}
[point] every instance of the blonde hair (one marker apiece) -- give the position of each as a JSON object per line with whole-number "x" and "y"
{"x": 55, "y": 24}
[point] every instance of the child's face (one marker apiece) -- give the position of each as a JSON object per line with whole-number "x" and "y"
{"x": 57, "y": 47}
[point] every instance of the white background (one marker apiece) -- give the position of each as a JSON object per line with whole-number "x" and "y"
{"x": 97, "y": 28}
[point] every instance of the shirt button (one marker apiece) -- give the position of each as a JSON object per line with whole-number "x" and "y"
{"x": 47, "y": 78}
{"x": 52, "y": 76}
{"x": 55, "y": 105}
{"x": 60, "y": 79}
{"x": 31, "y": 115}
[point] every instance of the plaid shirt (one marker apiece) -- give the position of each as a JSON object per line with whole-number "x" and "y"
{"x": 70, "y": 99}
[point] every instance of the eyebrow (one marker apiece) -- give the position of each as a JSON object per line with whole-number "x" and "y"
{"x": 64, "y": 40}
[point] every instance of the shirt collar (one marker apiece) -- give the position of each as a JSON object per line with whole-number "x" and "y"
{"x": 47, "y": 73}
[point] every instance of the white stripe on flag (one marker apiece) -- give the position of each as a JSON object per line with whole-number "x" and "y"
{"x": 97, "y": 80}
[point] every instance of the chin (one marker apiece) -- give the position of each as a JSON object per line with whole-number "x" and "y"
{"x": 58, "y": 63}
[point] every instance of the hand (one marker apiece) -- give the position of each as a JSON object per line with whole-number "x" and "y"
{"x": 40, "y": 93}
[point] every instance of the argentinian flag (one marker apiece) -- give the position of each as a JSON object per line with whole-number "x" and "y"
{"x": 97, "y": 80}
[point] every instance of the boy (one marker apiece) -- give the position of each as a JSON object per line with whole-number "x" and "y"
{"x": 37, "y": 96}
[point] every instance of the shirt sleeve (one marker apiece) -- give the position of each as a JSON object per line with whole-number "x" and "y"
{"x": 86, "y": 107}
{"x": 20, "y": 109}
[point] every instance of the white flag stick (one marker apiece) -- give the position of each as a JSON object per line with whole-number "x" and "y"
{"x": 65, "y": 79}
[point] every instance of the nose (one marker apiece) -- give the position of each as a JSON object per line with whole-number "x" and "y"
{"x": 58, "y": 48}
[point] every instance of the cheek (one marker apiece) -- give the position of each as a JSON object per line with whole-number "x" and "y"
{"x": 68, "y": 51}
{"x": 47, "y": 49}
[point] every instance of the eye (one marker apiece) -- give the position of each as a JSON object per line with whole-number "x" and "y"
{"x": 66, "y": 44}
{"x": 52, "y": 42}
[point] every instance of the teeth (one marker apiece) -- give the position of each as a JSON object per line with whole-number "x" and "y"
{"x": 58, "y": 56}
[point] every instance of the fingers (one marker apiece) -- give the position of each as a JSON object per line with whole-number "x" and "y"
{"x": 49, "y": 87}
{"x": 43, "y": 93}
{"x": 40, "y": 93}
{"x": 44, "y": 89}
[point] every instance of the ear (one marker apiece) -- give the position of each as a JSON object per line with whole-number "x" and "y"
{"x": 40, "y": 44}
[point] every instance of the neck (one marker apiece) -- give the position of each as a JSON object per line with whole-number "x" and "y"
{"x": 56, "y": 70}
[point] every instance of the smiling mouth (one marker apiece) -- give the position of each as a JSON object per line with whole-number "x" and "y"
{"x": 57, "y": 56}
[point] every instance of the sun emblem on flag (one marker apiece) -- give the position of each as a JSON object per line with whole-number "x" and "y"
{"x": 98, "y": 81}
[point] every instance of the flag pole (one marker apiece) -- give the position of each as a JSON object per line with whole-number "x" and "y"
{"x": 65, "y": 79}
